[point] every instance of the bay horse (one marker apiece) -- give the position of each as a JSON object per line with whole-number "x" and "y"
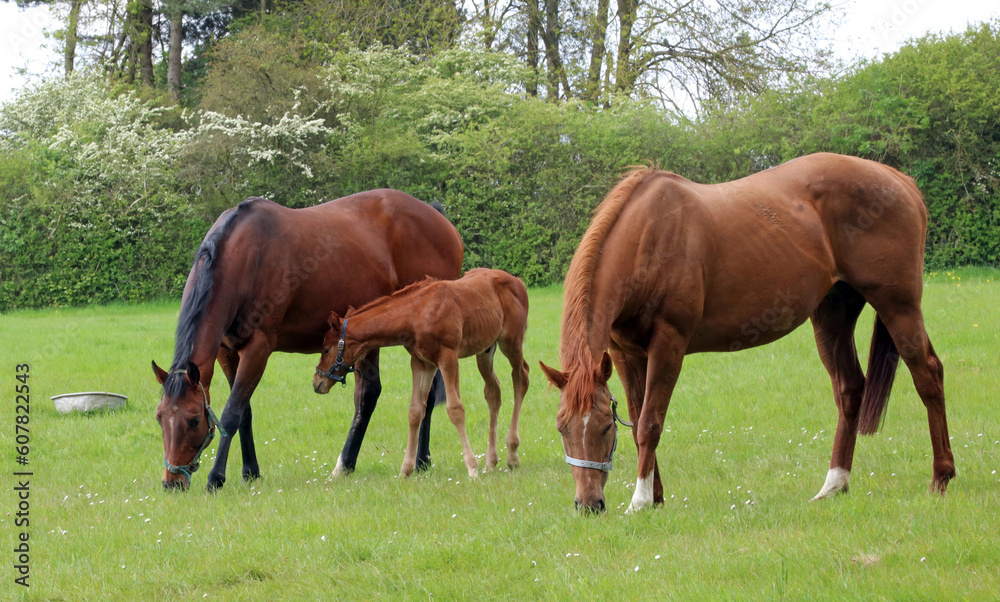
{"x": 439, "y": 322}
{"x": 669, "y": 267}
{"x": 265, "y": 279}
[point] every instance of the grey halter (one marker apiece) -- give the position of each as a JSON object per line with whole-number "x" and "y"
{"x": 603, "y": 466}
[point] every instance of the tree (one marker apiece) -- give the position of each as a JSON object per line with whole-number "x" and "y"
{"x": 682, "y": 51}
{"x": 174, "y": 10}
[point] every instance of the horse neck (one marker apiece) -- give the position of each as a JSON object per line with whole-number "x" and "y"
{"x": 208, "y": 335}
{"x": 381, "y": 326}
{"x": 587, "y": 326}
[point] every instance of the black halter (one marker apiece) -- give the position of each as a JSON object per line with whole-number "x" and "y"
{"x": 339, "y": 363}
{"x": 602, "y": 466}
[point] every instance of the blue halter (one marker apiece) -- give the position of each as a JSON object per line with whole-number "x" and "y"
{"x": 213, "y": 423}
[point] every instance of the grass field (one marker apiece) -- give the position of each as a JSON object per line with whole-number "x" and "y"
{"x": 747, "y": 444}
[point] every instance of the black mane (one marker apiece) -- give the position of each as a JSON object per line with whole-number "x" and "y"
{"x": 194, "y": 306}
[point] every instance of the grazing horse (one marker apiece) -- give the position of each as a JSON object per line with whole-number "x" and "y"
{"x": 438, "y": 323}
{"x": 669, "y": 267}
{"x": 264, "y": 280}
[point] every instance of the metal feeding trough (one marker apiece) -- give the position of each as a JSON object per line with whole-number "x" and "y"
{"x": 94, "y": 401}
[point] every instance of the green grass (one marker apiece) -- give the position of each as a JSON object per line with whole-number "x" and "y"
{"x": 747, "y": 444}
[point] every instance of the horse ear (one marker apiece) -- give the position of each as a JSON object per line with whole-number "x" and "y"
{"x": 350, "y": 311}
{"x": 334, "y": 320}
{"x": 193, "y": 374}
{"x": 606, "y": 367}
{"x": 161, "y": 374}
{"x": 557, "y": 378}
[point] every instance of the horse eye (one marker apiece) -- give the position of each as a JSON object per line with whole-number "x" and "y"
{"x": 325, "y": 351}
{"x": 608, "y": 428}
{"x": 193, "y": 423}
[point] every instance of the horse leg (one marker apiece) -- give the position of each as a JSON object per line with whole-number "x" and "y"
{"x": 423, "y": 376}
{"x": 664, "y": 358}
{"x": 251, "y": 363}
{"x": 833, "y": 326}
{"x": 491, "y": 390}
{"x": 632, "y": 373}
{"x": 435, "y": 397}
{"x": 448, "y": 362}
{"x": 905, "y": 324}
{"x": 514, "y": 352}
{"x": 367, "y": 388}
{"x": 229, "y": 360}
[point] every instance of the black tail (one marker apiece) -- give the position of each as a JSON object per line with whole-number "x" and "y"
{"x": 882, "y": 361}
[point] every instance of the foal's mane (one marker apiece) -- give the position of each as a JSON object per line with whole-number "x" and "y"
{"x": 575, "y": 353}
{"x": 194, "y": 305}
{"x": 406, "y": 290}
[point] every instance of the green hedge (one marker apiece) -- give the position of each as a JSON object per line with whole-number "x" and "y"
{"x": 105, "y": 195}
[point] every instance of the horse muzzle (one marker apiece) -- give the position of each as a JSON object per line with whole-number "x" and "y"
{"x": 595, "y": 506}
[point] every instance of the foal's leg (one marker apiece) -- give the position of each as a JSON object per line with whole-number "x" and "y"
{"x": 519, "y": 375}
{"x": 906, "y": 326}
{"x": 448, "y": 362}
{"x": 833, "y": 325}
{"x": 423, "y": 377}
{"x": 491, "y": 390}
{"x": 665, "y": 356}
{"x": 435, "y": 397}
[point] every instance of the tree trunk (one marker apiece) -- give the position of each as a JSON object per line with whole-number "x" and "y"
{"x": 174, "y": 54}
{"x": 534, "y": 26}
{"x": 625, "y": 75}
{"x": 553, "y": 63}
{"x": 69, "y": 53}
{"x": 144, "y": 39}
{"x": 600, "y": 32}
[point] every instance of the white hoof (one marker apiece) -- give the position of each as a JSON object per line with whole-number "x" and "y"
{"x": 837, "y": 480}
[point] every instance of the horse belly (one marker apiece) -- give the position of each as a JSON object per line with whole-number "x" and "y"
{"x": 760, "y": 306}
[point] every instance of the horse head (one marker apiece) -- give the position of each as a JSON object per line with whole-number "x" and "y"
{"x": 187, "y": 422}
{"x": 587, "y": 424}
{"x": 331, "y": 367}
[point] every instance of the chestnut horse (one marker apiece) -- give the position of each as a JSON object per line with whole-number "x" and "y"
{"x": 264, "y": 280}
{"x": 438, "y": 323}
{"x": 669, "y": 267}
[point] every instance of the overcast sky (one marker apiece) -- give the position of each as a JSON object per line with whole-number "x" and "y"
{"x": 869, "y": 28}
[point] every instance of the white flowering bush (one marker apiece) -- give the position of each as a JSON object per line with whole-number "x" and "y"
{"x": 113, "y": 141}
{"x": 287, "y": 140}
{"x": 433, "y": 98}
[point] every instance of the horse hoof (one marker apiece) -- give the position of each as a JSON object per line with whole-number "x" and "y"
{"x": 423, "y": 464}
{"x": 250, "y": 476}
{"x": 341, "y": 470}
{"x": 214, "y": 485}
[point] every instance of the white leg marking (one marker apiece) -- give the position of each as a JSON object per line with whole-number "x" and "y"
{"x": 643, "y": 495}
{"x": 340, "y": 470}
{"x": 837, "y": 480}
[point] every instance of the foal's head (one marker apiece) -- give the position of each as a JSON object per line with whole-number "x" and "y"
{"x": 331, "y": 367}
{"x": 186, "y": 424}
{"x": 588, "y": 428}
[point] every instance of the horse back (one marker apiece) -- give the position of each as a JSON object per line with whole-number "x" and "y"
{"x": 742, "y": 263}
{"x": 284, "y": 270}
